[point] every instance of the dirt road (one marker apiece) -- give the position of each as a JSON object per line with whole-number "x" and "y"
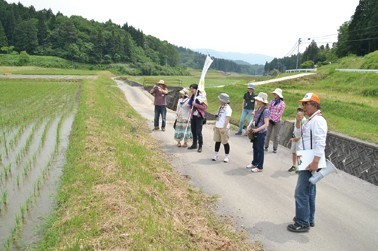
{"x": 263, "y": 203}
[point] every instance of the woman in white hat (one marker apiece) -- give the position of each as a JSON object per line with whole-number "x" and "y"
{"x": 276, "y": 108}
{"x": 222, "y": 126}
{"x": 182, "y": 128}
{"x": 259, "y": 126}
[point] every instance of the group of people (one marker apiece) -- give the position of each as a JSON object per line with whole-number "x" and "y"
{"x": 264, "y": 123}
{"x": 190, "y": 114}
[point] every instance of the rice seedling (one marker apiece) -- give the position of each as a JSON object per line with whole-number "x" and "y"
{"x": 4, "y": 197}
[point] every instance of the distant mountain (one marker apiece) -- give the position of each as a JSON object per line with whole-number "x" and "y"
{"x": 237, "y": 56}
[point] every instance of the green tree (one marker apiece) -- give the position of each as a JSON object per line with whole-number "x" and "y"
{"x": 311, "y": 53}
{"x": 363, "y": 31}
{"x": 25, "y": 36}
{"x": 42, "y": 31}
{"x": 3, "y": 37}
{"x": 342, "y": 45}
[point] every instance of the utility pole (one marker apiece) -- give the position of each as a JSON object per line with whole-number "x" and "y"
{"x": 299, "y": 42}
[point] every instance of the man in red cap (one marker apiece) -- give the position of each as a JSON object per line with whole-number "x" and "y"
{"x": 313, "y": 134}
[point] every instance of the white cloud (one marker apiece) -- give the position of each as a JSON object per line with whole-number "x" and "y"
{"x": 270, "y": 27}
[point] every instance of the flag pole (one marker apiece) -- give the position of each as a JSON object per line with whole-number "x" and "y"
{"x": 201, "y": 86}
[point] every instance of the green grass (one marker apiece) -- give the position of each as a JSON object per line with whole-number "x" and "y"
{"x": 349, "y": 101}
{"x": 32, "y": 70}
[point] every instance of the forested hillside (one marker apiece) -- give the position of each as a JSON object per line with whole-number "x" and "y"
{"x": 358, "y": 36}
{"x": 23, "y": 29}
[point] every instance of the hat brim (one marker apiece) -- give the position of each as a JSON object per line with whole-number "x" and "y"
{"x": 224, "y": 101}
{"x": 279, "y": 95}
{"x": 260, "y": 99}
{"x": 303, "y": 100}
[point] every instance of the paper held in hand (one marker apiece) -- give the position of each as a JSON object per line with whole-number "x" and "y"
{"x": 305, "y": 157}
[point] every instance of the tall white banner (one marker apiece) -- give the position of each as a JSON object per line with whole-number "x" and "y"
{"x": 206, "y": 66}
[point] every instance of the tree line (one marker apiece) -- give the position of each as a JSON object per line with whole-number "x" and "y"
{"x": 23, "y": 29}
{"x": 358, "y": 36}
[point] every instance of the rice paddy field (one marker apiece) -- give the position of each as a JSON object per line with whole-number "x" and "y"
{"x": 35, "y": 122}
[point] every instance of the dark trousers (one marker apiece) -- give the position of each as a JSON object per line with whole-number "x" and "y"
{"x": 258, "y": 150}
{"x": 196, "y": 124}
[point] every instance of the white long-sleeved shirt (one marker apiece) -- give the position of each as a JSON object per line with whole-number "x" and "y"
{"x": 317, "y": 126}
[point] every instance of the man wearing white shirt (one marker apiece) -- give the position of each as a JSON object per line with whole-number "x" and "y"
{"x": 313, "y": 134}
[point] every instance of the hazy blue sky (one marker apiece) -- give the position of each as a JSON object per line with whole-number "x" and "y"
{"x": 269, "y": 27}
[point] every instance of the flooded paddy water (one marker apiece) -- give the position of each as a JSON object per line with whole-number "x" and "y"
{"x": 36, "y": 117}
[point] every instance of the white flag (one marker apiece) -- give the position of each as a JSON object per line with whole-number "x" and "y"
{"x": 206, "y": 66}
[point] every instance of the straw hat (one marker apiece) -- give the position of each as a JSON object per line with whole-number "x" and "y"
{"x": 263, "y": 97}
{"x": 278, "y": 91}
{"x": 184, "y": 91}
{"x": 310, "y": 97}
{"x": 224, "y": 98}
{"x": 161, "y": 82}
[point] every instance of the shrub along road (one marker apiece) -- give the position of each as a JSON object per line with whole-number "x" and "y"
{"x": 262, "y": 204}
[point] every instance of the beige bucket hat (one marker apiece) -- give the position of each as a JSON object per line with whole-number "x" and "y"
{"x": 263, "y": 97}
{"x": 224, "y": 98}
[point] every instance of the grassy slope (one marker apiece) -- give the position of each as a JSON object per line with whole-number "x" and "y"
{"x": 118, "y": 193}
{"x": 348, "y": 100}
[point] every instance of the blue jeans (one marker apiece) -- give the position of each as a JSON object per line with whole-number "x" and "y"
{"x": 160, "y": 110}
{"x": 305, "y": 193}
{"x": 245, "y": 113}
{"x": 258, "y": 150}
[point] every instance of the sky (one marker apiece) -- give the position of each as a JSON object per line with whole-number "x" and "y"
{"x": 267, "y": 27}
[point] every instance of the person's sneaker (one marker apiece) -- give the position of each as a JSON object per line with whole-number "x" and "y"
{"x": 215, "y": 157}
{"x": 256, "y": 170}
{"x": 192, "y": 147}
{"x": 274, "y": 150}
{"x": 250, "y": 166}
{"x": 163, "y": 129}
{"x": 199, "y": 149}
{"x": 155, "y": 129}
{"x": 226, "y": 160}
{"x": 292, "y": 168}
{"x": 312, "y": 224}
{"x": 238, "y": 133}
{"x": 297, "y": 228}
{"x": 266, "y": 149}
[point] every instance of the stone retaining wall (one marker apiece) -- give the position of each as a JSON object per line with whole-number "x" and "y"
{"x": 347, "y": 154}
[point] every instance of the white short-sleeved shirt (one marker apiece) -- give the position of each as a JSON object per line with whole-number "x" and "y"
{"x": 223, "y": 112}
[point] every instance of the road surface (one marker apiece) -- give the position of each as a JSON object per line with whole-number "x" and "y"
{"x": 263, "y": 203}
